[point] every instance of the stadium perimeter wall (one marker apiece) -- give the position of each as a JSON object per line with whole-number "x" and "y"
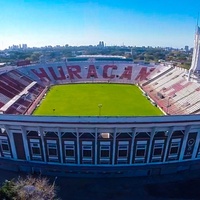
{"x": 100, "y": 146}
{"x": 36, "y": 102}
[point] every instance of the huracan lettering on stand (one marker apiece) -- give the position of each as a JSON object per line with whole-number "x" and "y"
{"x": 61, "y": 73}
{"x": 111, "y": 68}
{"x": 74, "y": 71}
{"x": 92, "y": 72}
{"x": 143, "y": 73}
{"x": 127, "y": 73}
{"x": 42, "y": 74}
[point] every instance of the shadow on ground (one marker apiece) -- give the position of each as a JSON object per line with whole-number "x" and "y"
{"x": 180, "y": 186}
{"x": 175, "y": 190}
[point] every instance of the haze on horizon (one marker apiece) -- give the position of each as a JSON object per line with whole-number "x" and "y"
{"x": 132, "y": 22}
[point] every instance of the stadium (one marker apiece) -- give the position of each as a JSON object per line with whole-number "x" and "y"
{"x": 100, "y": 116}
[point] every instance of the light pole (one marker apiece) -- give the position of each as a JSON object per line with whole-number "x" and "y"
{"x": 168, "y": 105}
{"x": 100, "y": 106}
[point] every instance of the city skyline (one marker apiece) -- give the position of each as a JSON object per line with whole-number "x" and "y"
{"x": 99, "y": 45}
{"x": 134, "y": 23}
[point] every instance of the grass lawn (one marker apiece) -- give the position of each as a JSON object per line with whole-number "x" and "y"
{"x": 85, "y": 100}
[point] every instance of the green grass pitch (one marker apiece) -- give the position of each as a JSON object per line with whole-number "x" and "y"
{"x": 95, "y": 100}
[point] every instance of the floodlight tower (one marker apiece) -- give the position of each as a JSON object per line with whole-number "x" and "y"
{"x": 100, "y": 106}
{"x": 195, "y": 66}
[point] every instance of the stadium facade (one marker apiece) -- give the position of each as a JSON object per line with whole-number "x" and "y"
{"x": 108, "y": 146}
{"x": 100, "y": 146}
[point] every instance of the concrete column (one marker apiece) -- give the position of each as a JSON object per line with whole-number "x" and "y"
{"x": 78, "y": 146}
{"x": 150, "y": 144}
{"x": 12, "y": 142}
{"x": 185, "y": 138}
{"x": 132, "y": 146}
{"x": 196, "y": 146}
{"x": 114, "y": 146}
{"x": 96, "y": 145}
{"x": 60, "y": 145}
{"x": 170, "y": 132}
{"x": 25, "y": 142}
{"x": 40, "y": 130}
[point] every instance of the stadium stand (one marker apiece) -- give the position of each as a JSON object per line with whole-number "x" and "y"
{"x": 100, "y": 71}
{"x": 20, "y": 87}
{"x": 16, "y": 88}
{"x": 1, "y": 104}
{"x": 166, "y": 85}
{"x": 172, "y": 92}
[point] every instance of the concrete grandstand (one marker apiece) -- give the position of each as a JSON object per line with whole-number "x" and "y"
{"x": 101, "y": 146}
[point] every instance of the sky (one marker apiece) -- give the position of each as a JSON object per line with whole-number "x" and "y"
{"x": 169, "y": 23}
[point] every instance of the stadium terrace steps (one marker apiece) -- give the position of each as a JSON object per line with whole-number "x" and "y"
{"x": 4, "y": 99}
{"x": 12, "y": 84}
{"x": 23, "y": 77}
{"x": 16, "y": 80}
{"x": 196, "y": 111}
{"x": 164, "y": 81}
{"x": 173, "y": 89}
{"x": 166, "y": 74}
{"x": 8, "y": 87}
{"x": 193, "y": 107}
{"x": 6, "y": 92}
{"x": 184, "y": 92}
{"x": 19, "y": 78}
{"x": 1, "y": 104}
{"x": 161, "y": 80}
{"x": 179, "y": 87}
{"x": 157, "y": 73}
{"x": 6, "y": 80}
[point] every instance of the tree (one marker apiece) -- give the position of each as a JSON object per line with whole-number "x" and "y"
{"x": 29, "y": 188}
{"x": 8, "y": 190}
{"x": 35, "y": 56}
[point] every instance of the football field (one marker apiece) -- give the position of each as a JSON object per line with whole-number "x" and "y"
{"x": 96, "y": 100}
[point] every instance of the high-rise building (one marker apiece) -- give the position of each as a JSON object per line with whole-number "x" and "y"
{"x": 24, "y": 46}
{"x": 186, "y": 48}
{"x": 101, "y": 44}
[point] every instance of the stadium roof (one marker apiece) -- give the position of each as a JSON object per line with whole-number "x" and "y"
{"x": 98, "y": 58}
{"x": 101, "y": 56}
